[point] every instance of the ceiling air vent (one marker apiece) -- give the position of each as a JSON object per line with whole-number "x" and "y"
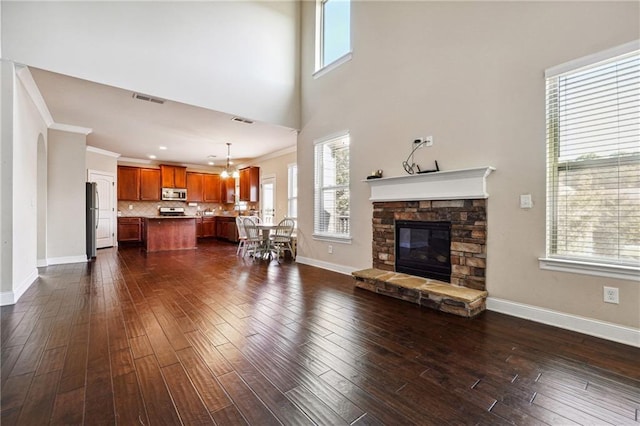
{"x": 242, "y": 120}
{"x": 148, "y": 98}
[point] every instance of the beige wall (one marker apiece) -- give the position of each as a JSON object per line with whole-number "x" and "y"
{"x": 277, "y": 166}
{"x": 101, "y": 162}
{"x": 472, "y": 75}
{"x": 66, "y": 197}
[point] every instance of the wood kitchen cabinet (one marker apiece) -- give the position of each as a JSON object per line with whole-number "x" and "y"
{"x": 226, "y": 229}
{"x": 130, "y": 229}
{"x": 227, "y": 190}
{"x": 128, "y": 183}
{"x": 209, "y": 227}
{"x": 173, "y": 176}
{"x": 195, "y": 186}
{"x": 211, "y": 188}
{"x": 250, "y": 184}
{"x": 150, "y": 185}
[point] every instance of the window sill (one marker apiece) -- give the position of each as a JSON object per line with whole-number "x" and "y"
{"x": 589, "y": 268}
{"x": 333, "y": 65}
{"x": 332, "y": 238}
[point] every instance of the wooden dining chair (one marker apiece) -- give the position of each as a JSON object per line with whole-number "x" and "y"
{"x": 253, "y": 243}
{"x": 280, "y": 240}
{"x": 242, "y": 237}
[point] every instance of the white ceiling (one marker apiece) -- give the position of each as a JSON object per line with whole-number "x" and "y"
{"x": 136, "y": 129}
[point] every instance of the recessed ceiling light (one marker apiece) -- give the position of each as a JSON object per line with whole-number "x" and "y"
{"x": 211, "y": 163}
{"x": 231, "y": 162}
{"x": 152, "y": 157}
{"x": 162, "y": 148}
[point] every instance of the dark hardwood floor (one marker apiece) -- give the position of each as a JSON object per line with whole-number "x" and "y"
{"x": 204, "y": 337}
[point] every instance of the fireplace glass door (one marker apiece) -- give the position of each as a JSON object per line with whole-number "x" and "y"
{"x": 424, "y": 249}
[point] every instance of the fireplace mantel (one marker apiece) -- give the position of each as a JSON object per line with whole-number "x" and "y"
{"x": 445, "y": 185}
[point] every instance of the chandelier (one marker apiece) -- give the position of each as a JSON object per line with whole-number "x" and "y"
{"x": 226, "y": 173}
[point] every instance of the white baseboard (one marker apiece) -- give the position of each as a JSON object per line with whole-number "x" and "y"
{"x": 41, "y": 263}
{"x": 11, "y": 297}
{"x": 592, "y": 327}
{"x": 66, "y": 259}
{"x": 347, "y": 270}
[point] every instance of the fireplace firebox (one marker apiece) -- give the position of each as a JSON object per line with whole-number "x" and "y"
{"x": 423, "y": 248}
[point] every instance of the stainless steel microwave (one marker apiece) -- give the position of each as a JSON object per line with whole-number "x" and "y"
{"x": 174, "y": 194}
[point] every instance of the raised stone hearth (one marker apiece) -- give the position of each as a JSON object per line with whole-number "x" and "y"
{"x": 458, "y": 197}
{"x": 433, "y": 294}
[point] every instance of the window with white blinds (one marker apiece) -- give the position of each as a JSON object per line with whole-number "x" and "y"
{"x": 593, "y": 161}
{"x": 331, "y": 209}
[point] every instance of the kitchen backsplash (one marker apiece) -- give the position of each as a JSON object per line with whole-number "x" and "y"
{"x": 150, "y": 208}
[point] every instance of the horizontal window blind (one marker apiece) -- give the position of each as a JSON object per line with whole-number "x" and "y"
{"x": 331, "y": 210}
{"x": 593, "y": 162}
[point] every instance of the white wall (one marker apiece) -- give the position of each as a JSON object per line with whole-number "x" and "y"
{"x": 29, "y": 127}
{"x": 472, "y": 75}
{"x": 22, "y": 128}
{"x": 8, "y": 83}
{"x": 238, "y": 57}
{"x": 66, "y": 197}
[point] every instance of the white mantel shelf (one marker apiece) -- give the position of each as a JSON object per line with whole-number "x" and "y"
{"x": 445, "y": 185}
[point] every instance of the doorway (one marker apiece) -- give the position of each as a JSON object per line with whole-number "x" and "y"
{"x": 106, "y": 212}
{"x": 268, "y": 198}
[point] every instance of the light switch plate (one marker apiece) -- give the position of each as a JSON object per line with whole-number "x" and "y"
{"x": 525, "y": 201}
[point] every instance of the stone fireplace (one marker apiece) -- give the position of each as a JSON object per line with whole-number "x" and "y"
{"x": 468, "y": 219}
{"x": 457, "y": 200}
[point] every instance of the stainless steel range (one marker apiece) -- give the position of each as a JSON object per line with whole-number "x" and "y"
{"x": 171, "y": 211}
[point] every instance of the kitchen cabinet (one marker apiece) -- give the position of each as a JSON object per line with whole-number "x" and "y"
{"x": 250, "y": 184}
{"x": 130, "y": 229}
{"x": 170, "y": 233}
{"x": 128, "y": 183}
{"x": 211, "y": 190}
{"x": 208, "y": 226}
{"x": 173, "y": 176}
{"x": 195, "y": 185}
{"x": 226, "y": 229}
{"x": 150, "y": 184}
{"x": 227, "y": 190}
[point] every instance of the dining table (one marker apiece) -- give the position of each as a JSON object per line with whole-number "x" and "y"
{"x": 265, "y": 230}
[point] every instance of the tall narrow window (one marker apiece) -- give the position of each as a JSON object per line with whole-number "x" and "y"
{"x": 593, "y": 160}
{"x": 331, "y": 210}
{"x": 292, "y": 197}
{"x": 334, "y": 31}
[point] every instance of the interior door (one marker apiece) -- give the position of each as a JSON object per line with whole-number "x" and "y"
{"x": 268, "y": 199}
{"x": 106, "y": 214}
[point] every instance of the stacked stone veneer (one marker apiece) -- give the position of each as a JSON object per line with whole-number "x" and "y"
{"x": 468, "y": 235}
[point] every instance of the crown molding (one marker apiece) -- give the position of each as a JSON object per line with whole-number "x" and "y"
{"x": 102, "y": 151}
{"x": 24, "y": 75}
{"x": 269, "y": 156}
{"x": 71, "y": 128}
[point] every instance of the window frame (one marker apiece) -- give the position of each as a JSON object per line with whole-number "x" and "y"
{"x": 320, "y": 187}
{"x": 320, "y": 67}
{"x": 575, "y": 263}
{"x": 290, "y": 189}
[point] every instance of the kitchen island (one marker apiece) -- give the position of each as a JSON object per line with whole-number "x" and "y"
{"x": 169, "y": 233}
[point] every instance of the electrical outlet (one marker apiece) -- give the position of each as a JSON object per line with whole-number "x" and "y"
{"x": 130, "y": 206}
{"x": 422, "y": 142}
{"x": 611, "y": 295}
{"x": 330, "y": 249}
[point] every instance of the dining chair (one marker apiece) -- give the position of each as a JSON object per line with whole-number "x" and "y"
{"x": 280, "y": 240}
{"x": 256, "y": 219}
{"x": 242, "y": 236}
{"x": 253, "y": 243}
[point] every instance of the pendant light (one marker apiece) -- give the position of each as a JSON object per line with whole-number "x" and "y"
{"x": 225, "y": 173}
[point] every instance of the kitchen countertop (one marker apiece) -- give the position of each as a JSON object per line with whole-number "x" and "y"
{"x": 171, "y": 217}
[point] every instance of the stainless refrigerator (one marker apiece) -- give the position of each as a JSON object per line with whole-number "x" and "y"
{"x": 93, "y": 210}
